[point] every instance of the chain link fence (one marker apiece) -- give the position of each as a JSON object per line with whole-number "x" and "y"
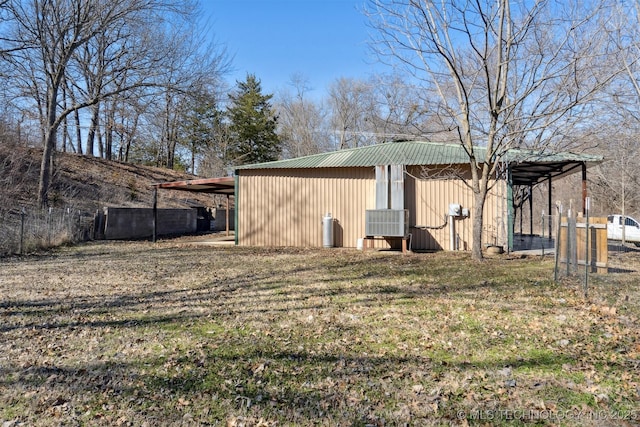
{"x": 585, "y": 252}
{"x": 24, "y": 230}
{"x": 622, "y": 260}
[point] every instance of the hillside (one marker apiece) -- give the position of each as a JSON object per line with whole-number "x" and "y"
{"x": 87, "y": 184}
{"x": 81, "y": 186}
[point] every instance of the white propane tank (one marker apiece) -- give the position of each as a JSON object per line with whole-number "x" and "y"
{"x": 327, "y": 231}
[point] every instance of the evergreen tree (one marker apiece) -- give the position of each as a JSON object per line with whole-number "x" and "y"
{"x": 252, "y": 125}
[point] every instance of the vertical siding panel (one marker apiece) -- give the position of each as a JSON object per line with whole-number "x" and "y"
{"x": 268, "y": 190}
{"x": 240, "y": 222}
{"x": 317, "y": 204}
{"x": 340, "y": 203}
{"x": 342, "y": 189}
{"x": 307, "y": 206}
{"x": 289, "y": 215}
{"x": 324, "y": 193}
{"x": 354, "y": 214}
{"x": 335, "y": 199}
{"x": 281, "y": 230}
{"x": 244, "y": 195}
{"x": 256, "y": 222}
{"x": 249, "y": 195}
{"x": 345, "y": 210}
{"x": 310, "y": 211}
{"x": 290, "y": 222}
{"x": 321, "y": 204}
{"x": 256, "y": 183}
{"x": 272, "y": 226}
{"x": 249, "y": 212}
{"x": 277, "y": 228}
{"x": 293, "y": 223}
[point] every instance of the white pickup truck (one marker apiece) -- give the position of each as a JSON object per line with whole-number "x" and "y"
{"x": 631, "y": 229}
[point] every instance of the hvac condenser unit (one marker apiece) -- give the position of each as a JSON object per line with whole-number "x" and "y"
{"x": 387, "y": 222}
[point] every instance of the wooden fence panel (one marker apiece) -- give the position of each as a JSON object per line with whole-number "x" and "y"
{"x": 571, "y": 247}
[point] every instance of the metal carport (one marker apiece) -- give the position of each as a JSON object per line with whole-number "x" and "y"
{"x": 221, "y": 185}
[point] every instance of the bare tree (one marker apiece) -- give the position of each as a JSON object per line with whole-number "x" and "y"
{"x": 301, "y": 121}
{"x": 617, "y": 180}
{"x": 395, "y": 110}
{"x": 57, "y": 34}
{"x": 128, "y": 116}
{"x": 215, "y": 155}
{"x": 191, "y": 66}
{"x": 357, "y": 112}
{"x": 495, "y": 70}
{"x": 348, "y": 100}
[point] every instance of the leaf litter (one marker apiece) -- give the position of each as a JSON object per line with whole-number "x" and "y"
{"x": 117, "y": 333}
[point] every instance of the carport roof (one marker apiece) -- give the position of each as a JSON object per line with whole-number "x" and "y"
{"x": 223, "y": 185}
{"x": 528, "y": 167}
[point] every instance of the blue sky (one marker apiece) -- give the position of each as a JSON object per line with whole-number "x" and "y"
{"x": 321, "y": 40}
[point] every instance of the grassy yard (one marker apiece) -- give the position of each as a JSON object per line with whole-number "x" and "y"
{"x": 177, "y": 334}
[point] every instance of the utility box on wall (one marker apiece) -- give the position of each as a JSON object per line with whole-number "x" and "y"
{"x": 455, "y": 209}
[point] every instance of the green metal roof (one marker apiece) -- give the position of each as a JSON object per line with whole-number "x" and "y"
{"x": 414, "y": 153}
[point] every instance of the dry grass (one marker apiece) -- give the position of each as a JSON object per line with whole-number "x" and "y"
{"x": 177, "y": 334}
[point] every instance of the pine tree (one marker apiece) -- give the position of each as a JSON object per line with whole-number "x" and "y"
{"x": 252, "y": 125}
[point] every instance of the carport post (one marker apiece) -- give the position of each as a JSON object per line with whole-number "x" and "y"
{"x": 584, "y": 188}
{"x": 530, "y": 210}
{"x": 227, "y": 216}
{"x": 550, "y": 209}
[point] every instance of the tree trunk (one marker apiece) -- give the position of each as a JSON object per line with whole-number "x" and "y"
{"x": 108, "y": 137}
{"x": 129, "y": 138}
{"x": 65, "y": 135}
{"x": 100, "y": 144}
{"x": 46, "y": 168}
{"x": 476, "y": 232}
{"x": 91, "y": 135}
{"x": 108, "y": 149}
{"x": 170, "y": 157}
{"x": 49, "y": 147}
{"x": 65, "y": 123}
{"x": 78, "y": 131}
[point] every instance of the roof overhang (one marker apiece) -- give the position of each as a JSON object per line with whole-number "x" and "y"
{"x": 533, "y": 173}
{"x": 224, "y": 185}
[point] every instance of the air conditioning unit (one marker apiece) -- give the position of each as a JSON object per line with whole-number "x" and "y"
{"x": 387, "y": 222}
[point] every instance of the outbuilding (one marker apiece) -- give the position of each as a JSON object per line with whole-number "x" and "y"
{"x": 413, "y": 190}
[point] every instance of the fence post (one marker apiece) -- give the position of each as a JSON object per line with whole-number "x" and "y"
{"x": 557, "y": 243}
{"x": 569, "y": 240}
{"x": 587, "y": 264}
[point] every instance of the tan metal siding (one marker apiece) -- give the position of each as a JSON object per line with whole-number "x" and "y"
{"x": 428, "y": 195}
{"x": 285, "y": 207}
